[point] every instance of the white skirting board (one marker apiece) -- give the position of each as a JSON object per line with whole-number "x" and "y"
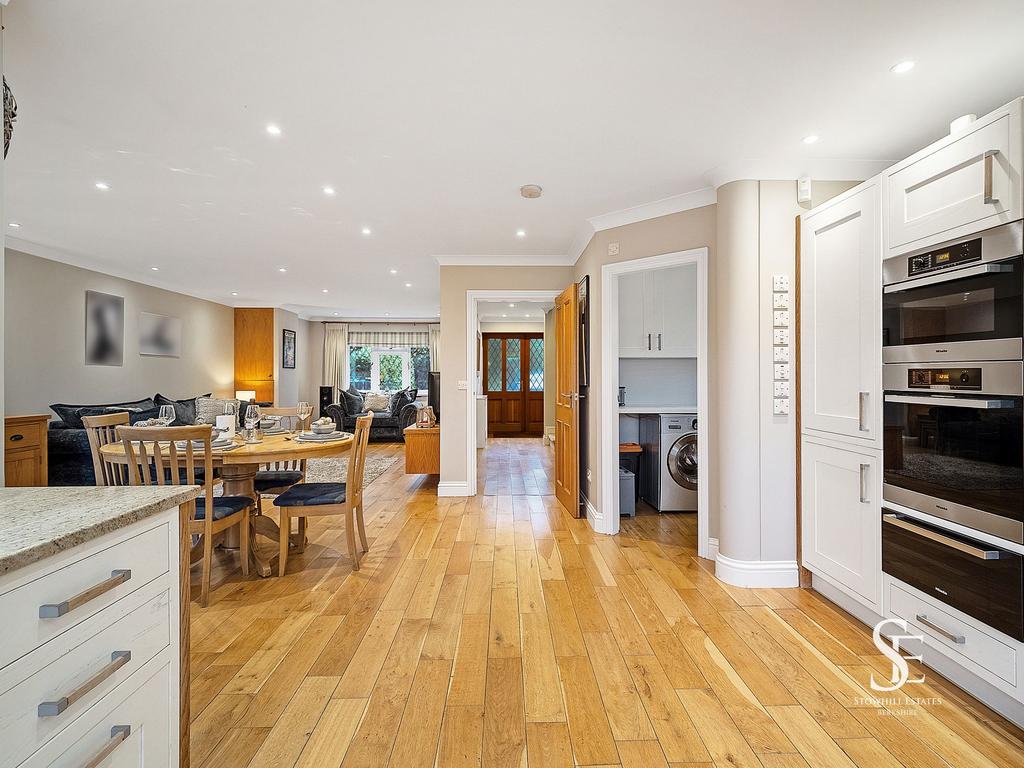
{"x": 757, "y": 573}
{"x": 450, "y": 488}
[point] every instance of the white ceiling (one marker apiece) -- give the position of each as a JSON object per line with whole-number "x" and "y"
{"x": 427, "y": 117}
{"x": 512, "y": 312}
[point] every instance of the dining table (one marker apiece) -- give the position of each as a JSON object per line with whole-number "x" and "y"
{"x": 238, "y": 467}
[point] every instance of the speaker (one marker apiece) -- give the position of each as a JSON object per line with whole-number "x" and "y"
{"x": 326, "y": 398}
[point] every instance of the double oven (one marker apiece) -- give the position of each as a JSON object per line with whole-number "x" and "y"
{"x": 953, "y": 427}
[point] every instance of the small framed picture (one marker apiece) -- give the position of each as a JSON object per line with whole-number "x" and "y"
{"x": 287, "y": 348}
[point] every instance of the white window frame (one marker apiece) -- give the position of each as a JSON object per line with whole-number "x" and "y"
{"x": 404, "y": 352}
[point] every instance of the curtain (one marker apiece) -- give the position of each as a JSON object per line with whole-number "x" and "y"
{"x": 389, "y": 338}
{"x": 336, "y": 340}
{"x": 434, "y": 331}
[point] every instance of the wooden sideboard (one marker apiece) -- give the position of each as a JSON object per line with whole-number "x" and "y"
{"x": 422, "y": 450}
{"x": 25, "y": 463}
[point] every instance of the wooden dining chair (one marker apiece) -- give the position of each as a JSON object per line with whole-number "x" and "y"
{"x": 155, "y": 458}
{"x": 101, "y": 431}
{"x": 316, "y": 499}
{"x": 277, "y": 477}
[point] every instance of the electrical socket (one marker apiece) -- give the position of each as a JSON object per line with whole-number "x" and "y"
{"x": 780, "y": 283}
{"x": 780, "y": 336}
{"x": 781, "y": 372}
{"x": 781, "y": 354}
{"x": 780, "y": 389}
{"x": 780, "y": 301}
{"x": 780, "y": 406}
{"x": 780, "y": 318}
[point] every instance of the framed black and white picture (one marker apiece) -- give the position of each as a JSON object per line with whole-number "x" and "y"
{"x": 104, "y": 329}
{"x": 287, "y": 348}
{"x": 159, "y": 335}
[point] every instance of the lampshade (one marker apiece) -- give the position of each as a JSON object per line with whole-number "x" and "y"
{"x": 245, "y": 395}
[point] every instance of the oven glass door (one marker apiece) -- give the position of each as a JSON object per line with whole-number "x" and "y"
{"x": 979, "y": 306}
{"x": 959, "y": 450}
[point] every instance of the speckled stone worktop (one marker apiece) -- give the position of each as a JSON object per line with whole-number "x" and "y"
{"x": 36, "y": 523}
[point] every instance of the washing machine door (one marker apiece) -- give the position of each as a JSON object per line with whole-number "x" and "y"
{"x": 682, "y": 461}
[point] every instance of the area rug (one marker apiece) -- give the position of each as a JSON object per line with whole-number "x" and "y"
{"x": 335, "y": 470}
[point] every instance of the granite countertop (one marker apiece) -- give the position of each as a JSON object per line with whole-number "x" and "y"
{"x": 36, "y": 523}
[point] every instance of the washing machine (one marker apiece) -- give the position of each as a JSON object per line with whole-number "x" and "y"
{"x": 668, "y": 464}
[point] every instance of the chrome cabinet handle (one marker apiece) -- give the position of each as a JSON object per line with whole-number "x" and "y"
{"x": 56, "y": 610}
{"x": 659, "y": 342}
{"x": 948, "y": 541}
{"x": 987, "y": 163}
{"x": 862, "y": 403}
{"x": 117, "y": 735}
{"x": 648, "y": 342}
{"x": 863, "y": 483}
{"x": 958, "y": 639}
{"x": 53, "y": 708}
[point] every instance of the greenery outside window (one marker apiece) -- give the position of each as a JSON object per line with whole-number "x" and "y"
{"x": 388, "y": 369}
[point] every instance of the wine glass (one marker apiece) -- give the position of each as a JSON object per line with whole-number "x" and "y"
{"x": 252, "y": 420}
{"x": 305, "y": 411}
{"x": 166, "y": 415}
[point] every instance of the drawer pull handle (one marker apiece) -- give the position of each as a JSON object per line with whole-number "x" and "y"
{"x": 117, "y": 735}
{"x": 948, "y": 541}
{"x": 862, "y": 407}
{"x": 56, "y": 610}
{"x": 16, "y": 437}
{"x": 958, "y": 639}
{"x": 863, "y": 484}
{"x": 987, "y": 163}
{"x": 53, "y": 708}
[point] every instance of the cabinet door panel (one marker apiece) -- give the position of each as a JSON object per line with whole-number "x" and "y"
{"x": 677, "y": 291}
{"x": 841, "y": 517}
{"x": 632, "y": 334}
{"x": 840, "y": 317}
{"x": 965, "y": 184}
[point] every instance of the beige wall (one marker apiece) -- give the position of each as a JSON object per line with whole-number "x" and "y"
{"x": 295, "y": 384}
{"x": 45, "y": 340}
{"x": 455, "y": 282}
{"x": 666, "y": 234}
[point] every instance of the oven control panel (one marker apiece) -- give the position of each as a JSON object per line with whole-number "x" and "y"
{"x": 944, "y": 378}
{"x": 951, "y": 256}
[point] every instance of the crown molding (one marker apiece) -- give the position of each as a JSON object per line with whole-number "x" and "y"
{"x": 580, "y": 242}
{"x": 821, "y": 169}
{"x": 664, "y": 207}
{"x": 512, "y": 260}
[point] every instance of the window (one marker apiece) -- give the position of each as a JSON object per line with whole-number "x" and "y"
{"x": 387, "y": 369}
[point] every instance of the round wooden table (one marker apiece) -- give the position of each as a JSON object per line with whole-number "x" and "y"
{"x": 238, "y": 469}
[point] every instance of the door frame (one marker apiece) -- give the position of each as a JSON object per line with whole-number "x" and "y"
{"x": 608, "y": 520}
{"x": 473, "y": 298}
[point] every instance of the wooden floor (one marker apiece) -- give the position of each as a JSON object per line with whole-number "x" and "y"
{"x": 496, "y": 631}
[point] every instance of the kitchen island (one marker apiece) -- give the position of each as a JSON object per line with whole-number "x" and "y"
{"x": 94, "y": 595}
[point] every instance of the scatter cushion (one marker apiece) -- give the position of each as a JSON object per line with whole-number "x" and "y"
{"x": 184, "y": 410}
{"x": 352, "y": 400}
{"x": 223, "y": 506}
{"x": 276, "y": 479}
{"x": 69, "y": 413}
{"x": 374, "y": 401}
{"x": 312, "y": 495}
{"x": 398, "y": 400}
{"x": 209, "y": 408}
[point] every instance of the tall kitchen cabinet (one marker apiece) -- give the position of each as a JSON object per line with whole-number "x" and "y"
{"x": 841, "y": 392}
{"x": 255, "y": 362}
{"x": 658, "y": 312}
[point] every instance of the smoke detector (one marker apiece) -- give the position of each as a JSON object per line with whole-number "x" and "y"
{"x": 530, "y": 191}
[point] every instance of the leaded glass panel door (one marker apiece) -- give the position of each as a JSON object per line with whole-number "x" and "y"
{"x": 513, "y": 379}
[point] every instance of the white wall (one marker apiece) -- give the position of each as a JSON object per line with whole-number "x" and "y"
{"x": 44, "y": 355}
{"x": 504, "y": 327}
{"x": 659, "y": 381}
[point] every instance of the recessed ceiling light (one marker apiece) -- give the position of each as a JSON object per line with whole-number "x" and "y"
{"x": 387, "y": 314}
{"x": 813, "y": 138}
{"x": 335, "y": 314}
{"x": 323, "y": 290}
{"x": 102, "y": 185}
{"x": 328, "y": 190}
{"x": 155, "y": 269}
{"x": 520, "y": 233}
{"x": 282, "y": 269}
{"x": 526, "y": 315}
{"x": 408, "y": 285}
{"x": 393, "y": 271}
{"x": 14, "y": 224}
{"x": 511, "y": 306}
{"x": 367, "y": 231}
{"x": 234, "y": 293}
{"x": 504, "y": 315}
{"x": 902, "y": 68}
{"x": 273, "y": 129}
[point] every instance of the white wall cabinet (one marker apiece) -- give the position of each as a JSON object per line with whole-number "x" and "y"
{"x": 840, "y": 317}
{"x": 658, "y": 313}
{"x": 841, "y": 518}
{"x": 961, "y": 184}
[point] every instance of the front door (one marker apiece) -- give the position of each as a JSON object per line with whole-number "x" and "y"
{"x": 567, "y": 447}
{"x": 514, "y": 384}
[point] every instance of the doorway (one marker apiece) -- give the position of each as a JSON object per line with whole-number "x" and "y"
{"x": 513, "y": 382}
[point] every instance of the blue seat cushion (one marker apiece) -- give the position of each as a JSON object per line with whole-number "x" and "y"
{"x": 223, "y": 506}
{"x": 312, "y": 495}
{"x": 268, "y": 479}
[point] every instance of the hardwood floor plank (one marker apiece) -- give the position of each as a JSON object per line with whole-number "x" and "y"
{"x": 332, "y": 734}
{"x": 644, "y": 754}
{"x": 626, "y": 714}
{"x": 548, "y": 745}
{"x": 719, "y": 734}
{"x": 361, "y": 673}
{"x": 416, "y": 743}
{"x": 813, "y": 744}
{"x": 287, "y": 738}
{"x": 542, "y": 695}
{"x": 591, "y": 737}
{"x": 673, "y": 726}
{"x": 504, "y": 744}
{"x": 462, "y": 734}
{"x": 469, "y": 676}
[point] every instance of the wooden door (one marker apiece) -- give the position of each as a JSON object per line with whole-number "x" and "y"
{"x": 840, "y": 317}
{"x": 567, "y": 449}
{"x": 513, "y": 374}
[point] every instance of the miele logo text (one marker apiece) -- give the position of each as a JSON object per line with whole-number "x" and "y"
{"x": 900, "y": 668}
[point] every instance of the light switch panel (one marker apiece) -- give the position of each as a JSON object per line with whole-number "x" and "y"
{"x": 780, "y": 301}
{"x": 780, "y": 283}
{"x": 780, "y": 318}
{"x": 780, "y": 389}
{"x": 781, "y": 372}
{"x": 462, "y": 384}
{"x": 780, "y": 406}
{"x": 780, "y": 336}
{"x": 781, "y": 354}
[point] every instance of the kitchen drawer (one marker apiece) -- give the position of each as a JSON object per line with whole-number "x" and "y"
{"x": 129, "y": 728}
{"x": 37, "y": 705}
{"x": 91, "y": 579}
{"x": 24, "y": 435}
{"x": 980, "y": 646}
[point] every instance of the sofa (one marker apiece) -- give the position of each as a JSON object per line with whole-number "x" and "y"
{"x": 388, "y": 425}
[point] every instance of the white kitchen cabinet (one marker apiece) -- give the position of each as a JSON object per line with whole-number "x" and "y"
{"x": 961, "y": 184}
{"x": 841, "y": 526}
{"x": 840, "y": 317}
{"x": 658, "y": 313}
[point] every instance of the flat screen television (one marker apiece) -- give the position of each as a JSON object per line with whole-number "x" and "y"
{"x": 434, "y": 393}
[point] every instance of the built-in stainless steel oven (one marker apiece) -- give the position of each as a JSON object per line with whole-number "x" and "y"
{"x": 958, "y": 302}
{"x": 953, "y": 440}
